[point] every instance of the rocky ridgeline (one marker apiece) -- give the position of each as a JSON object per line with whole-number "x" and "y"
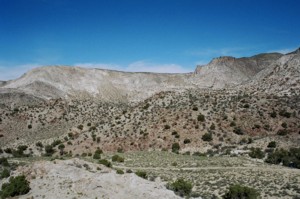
{"x": 65, "y": 82}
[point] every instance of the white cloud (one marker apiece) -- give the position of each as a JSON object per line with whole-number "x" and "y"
{"x": 13, "y": 72}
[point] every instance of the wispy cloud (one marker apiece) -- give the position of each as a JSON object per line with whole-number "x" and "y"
{"x": 13, "y": 72}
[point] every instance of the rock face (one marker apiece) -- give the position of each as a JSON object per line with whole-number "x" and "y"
{"x": 76, "y": 178}
{"x": 229, "y": 71}
{"x": 281, "y": 76}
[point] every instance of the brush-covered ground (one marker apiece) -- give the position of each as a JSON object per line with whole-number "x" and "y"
{"x": 208, "y": 128}
{"x": 211, "y": 176}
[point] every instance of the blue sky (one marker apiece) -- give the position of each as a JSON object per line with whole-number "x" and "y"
{"x": 141, "y": 35}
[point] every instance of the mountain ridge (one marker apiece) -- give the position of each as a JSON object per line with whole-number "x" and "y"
{"x": 52, "y": 82}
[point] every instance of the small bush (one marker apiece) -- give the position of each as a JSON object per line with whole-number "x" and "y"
{"x": 186, "y": 141}
{"x": 246, "y": 106}
{"x": 241, "y": 192}
{"x": 273, "y": 114}
{"x": 96, "y": 156}
{"x": 282, "y": 132}
{"x": 4, "y": 174}
{"x": 175, "y": 147}
{"x": 238, "y": 131}
{"x": 120, "y": 171}
{"x": 232, "y": 124}
{"x": 39, "y": 144}
{"x": 195, "y": 108}
{"x": 167, "y": 127}
{"x": 256, "y": 153}
{"x": 284, "y": 113}
{"x": 272, "y": 144}
{"x": 105, "y": 162}
{"x": 207, "y": 137}
{"x": 142, "y": 174}
{"x": 201, "y": 118}
{"x": 117, "y": 158}
{"x": 212, "y": 127}
{"x": 289, "y": 158}
{"x": 80, "y": 127}
{"x": 16, "y": 186}
{"x": 4, "y": 162}
{"x": 49, "y": 150}
{"x": 181, "y": 187}
{"x": 284, "y": 125}
{"x": 55, "y": 143}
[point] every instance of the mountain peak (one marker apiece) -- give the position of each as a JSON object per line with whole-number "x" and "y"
{"x": 294, "y": 52}
{"x": 223, "y": 59}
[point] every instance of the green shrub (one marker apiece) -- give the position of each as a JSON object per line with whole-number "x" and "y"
{"x": 284, "y": 113}
{"x": 175, "y": 147}
{"x": 201, "y": 118}
{"x": 186, "y": 141}
{"x": 96, "y": 156}
{"x": 273, "y": 114}
{"x": 212, "y": 127}
{"x": 284, "y": 125}
{"x": 4, "y": 162}
{"x": 16, "y": 186}
{"x": 289, "y": 158}
{"x": 232, "y": 124}
{"x": 207, "y": 137}
{"x": 4, "y": 174}
{"x": 246, "y": 106}
{"x": 167, "y": 126}
{"x": 105, "y": 162}
{"x": 99, "y": 151}
{"x": 272, "y": 144}
{"x": 49, "y": 150}
{"x": 8, "y": 150}
{"x": 282, "y": 132}
{"x": 256, "y": 153}
{"x": 181, "y": 187}
{"x": 20, "y": 151}
{"x": 55, "y": 143}
{"x": 39, "y": 144}
{"x": 117, "y": 158}
{"x": 241, "y": 192}
{"x": 195, "y": 108}
{"x": 238, "y": 131}
{"x": 80, "y": 127}
{"x": 120, "y": 171}
{"x": 142, "y": 174}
